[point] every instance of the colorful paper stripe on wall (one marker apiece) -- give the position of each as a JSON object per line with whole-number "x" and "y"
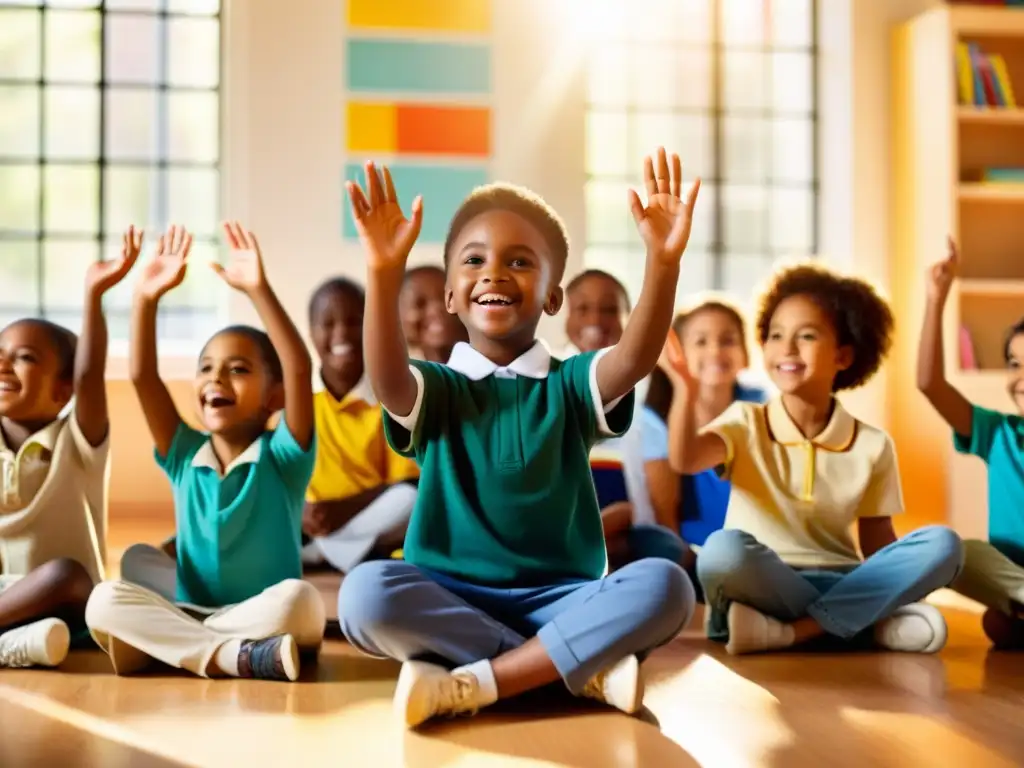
{"x": 443, "y": 189}
{"x": 418, "y": 129}
{"x": 389, "y": 66}
{"x": 467, "y": 16}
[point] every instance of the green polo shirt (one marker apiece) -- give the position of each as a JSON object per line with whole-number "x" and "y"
{"x": 998, "y": 439}
{"x": 506, "y": 495}
{"x": 240, "y": 532}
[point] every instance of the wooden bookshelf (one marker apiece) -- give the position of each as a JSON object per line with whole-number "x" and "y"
{"x": 940, "y": 148}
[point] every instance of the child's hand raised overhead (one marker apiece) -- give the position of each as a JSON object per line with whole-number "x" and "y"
{"x": 673, "y": 363}
{"x": 166, "y": 269}
{"x": 941, "y": 274}
{"x": 665, "y": 223}
{"x": 104, "y": 275}
{"x": 386, "y": 234}
{"x": 245, "y": 270}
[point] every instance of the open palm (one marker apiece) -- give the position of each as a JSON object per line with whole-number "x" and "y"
{"x": 104, "y": 275}
{"x": 244, "y": 271}
{"x": 385, "y": 232}
{"x": 166, "y": 269}
{"x": 673, "y": 363}
{"x": 665, "y": 222}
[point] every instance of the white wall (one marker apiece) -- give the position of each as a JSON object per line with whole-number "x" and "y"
{"x": 284, "y": 135}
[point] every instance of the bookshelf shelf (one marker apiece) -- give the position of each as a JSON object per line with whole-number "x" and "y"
{"x": 976, "y": 287}
{"x": 990, "y": 192}
{"x": 991, "y": 115}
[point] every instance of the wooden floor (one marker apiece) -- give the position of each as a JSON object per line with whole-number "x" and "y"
{"x": 964, "y": 706}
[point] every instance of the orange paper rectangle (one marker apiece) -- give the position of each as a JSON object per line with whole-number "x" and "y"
{"x": 436, "y": 130}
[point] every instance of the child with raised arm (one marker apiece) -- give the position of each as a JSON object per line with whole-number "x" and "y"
{"x": 993, "y": 571}
{"x": 361, "y": 493}
{"x": 784, "y": 570}
{"x": 242, "y": 609}
{"x": 53, "y": 505}
{"x": 504, "y": 587}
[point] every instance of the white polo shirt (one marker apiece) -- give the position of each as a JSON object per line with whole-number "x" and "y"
{"x": 799, "y": 496}
{"x": 53, "y": 500}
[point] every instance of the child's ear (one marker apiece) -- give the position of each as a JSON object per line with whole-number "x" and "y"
{"x": 449, "y": 300}
{"x": 844, "y": 358}
{"x": 554, "y": 302}
{"x": 275, "y": 399}
{"x": 64, "y": 391}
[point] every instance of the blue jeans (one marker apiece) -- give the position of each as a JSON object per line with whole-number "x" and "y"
{"x": 734, "y": 566}
{"x": 394, "y": 609}
{"x": 658, "y": 541}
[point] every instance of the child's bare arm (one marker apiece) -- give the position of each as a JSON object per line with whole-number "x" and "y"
{"x": 931, "y": 374}
{"x": 245, "y": 273}
{"x": 163, "y": 272}
{"x": 388, "y": 238}
{"x": 665, "y": 228}
{"x": 91, "y": 357}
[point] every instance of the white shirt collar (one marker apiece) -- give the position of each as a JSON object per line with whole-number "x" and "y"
{"x": 534, "y": 363}
{"x": 205, "y": 457}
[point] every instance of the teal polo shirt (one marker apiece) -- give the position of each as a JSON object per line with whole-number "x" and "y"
{"x": 241, "y": 532}
{"x": 997, "y": 438}
{"x": 506, "y": 496}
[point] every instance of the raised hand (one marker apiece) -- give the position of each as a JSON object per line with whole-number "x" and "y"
{"x": 673, "y": 363}
{"x": 664, "y": 224}
{"x": 941, "y": 274}
{"x": 166, "y": 269}
{"x": 385, "y": 232}
{"x": 244, "y": 271}
{"x": 104, "y": 275}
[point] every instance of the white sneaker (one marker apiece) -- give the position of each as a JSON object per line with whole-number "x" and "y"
{"x": 750, "y": 631}
{"x": 620, "y": 686}
{"x": 427, "y": 690}
{"x": 914, "y": 628}
{"x": 42, "y": 643}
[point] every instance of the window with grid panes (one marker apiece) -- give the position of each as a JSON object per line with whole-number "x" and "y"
{"x": 730, "y": 85}
{"x": 109, "y": 116}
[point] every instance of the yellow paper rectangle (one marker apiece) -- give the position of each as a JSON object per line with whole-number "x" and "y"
{"x": 469, "y": 16}
{"x": 371, "y": 127}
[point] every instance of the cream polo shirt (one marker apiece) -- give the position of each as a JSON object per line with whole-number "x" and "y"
{"x": 800, "y": 497}
{"x": 53, "y": 500}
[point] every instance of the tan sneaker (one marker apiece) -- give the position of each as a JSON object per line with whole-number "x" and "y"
{"x": 620, "y": 686}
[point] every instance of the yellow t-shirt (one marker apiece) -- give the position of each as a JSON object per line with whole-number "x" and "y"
{"x": 801, "y": 497}
{"x": 352, "y": 454}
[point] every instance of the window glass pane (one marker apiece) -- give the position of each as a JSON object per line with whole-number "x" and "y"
{"x": 133, "y": 49}
{"x": 18, "y": 266}
{"x": 72, "y": 122}
{"x": 695, "y": 79}
{"x": 206, "y": 7}
{"x": 658, "y": 22}
{"x": 135, "y": 5}
{"x": 194, "y": 199}
{"x": 745, "y": 80}
{"x": 71, "y": 198}
{"x": 194, "y": 52}
{"x": 650, "y": 131}
{"x": 624, "y": 263}
{"x": 609, "y": 75}
{"x": 695, "y": 276}
{"x": 742, "y": 21}
{"x": 130, "y": 196}
{"x": 19, "y": 120}
{"x": 744, "y": 276}
{"x": 694, "y": 135}
{"x": 791, "y": 23}
{"x": 609, "y": 221}
{"x": 792, "y": 82}
{"x": 654, "y": 76}
{"x": 744, "y": 214}
{"x": 131, "y": 125}
{"x": 19, "y": 43}
{"x": 694, "y": 21}
{"x": 19, "y": 197}
{"x": 73, "y": 46}
{"x": 792, "y": 221}
{"x": 201, "y": 286}
{"x": 64, "y": 266}
{"x": 745, "y": 149}
{"x": 702, "y": 230}
{"x": 194, "y": 134}
{"x": 793, "y": 150}
{"x": 607, "y": 144}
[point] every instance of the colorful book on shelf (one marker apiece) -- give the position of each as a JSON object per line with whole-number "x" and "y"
{"x": 983, "y": 80}
{"x": 1002, "y": 175}
{"x": 968, "y": 361}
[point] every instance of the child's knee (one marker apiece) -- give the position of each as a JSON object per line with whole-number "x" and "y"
{"x": 68, "y": 582}
{"x": 669, "y": 598}
{"x": 363, "y": 600}
{"x": 946, "y": 550}
{"x": 105, "y": 609}
{"x": 725, "y": 555}
{"x": 302, "y": 608}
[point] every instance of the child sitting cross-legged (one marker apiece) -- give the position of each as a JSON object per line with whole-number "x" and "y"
{"x": 53, "y": 488}
{"x": 362, "y": 493}
{"x": 235, "y": 604}
{"x": 784, "y": 570}
{"x": 504, "y": 588}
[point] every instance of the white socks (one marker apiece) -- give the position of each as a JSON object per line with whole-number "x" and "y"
{"x": 487, "y": 691}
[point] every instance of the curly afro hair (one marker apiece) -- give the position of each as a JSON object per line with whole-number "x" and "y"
{"x": 861, "y": 318}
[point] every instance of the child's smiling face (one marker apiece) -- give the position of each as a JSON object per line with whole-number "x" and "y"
{"x": 501, "y": 278}
{"x": 801, "y": 351}
{"x": 32, "y": 389}
{"x": 336, "y": 328}
{"x": 426, "y": 322}
{"x": 714, "y": 347}
{"x": 235, "y": 393}
{"x": 597, "y": 311}
{"x": 1015, "y": 370}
